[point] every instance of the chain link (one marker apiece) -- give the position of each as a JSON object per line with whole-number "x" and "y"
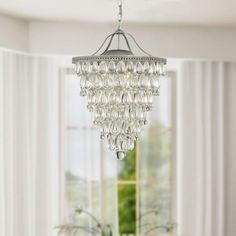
{"x": 120, "y": 14}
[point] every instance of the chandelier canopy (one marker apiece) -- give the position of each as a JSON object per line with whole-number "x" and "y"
{"x": 119, "y": 86}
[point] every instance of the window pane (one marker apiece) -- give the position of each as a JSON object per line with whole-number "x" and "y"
{"x": 76, "y": 110}
{"x": 82, "y": 194}
{"x": 82, "y": 154}
{"x": 127, "y": 209}
{"x": 82, "y": 170}
{"x": 156, "y": 154}
{"x": 155, "y": 206}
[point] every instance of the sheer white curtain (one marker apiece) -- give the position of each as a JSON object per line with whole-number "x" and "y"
{"x": 31, "y": 175}
{"x": 206, "y": 149}
{"x": 28, "y": 145}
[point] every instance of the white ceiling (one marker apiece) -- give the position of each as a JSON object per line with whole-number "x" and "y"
{"x": 187, "y": 12}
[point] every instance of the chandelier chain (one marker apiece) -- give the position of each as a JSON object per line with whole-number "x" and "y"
{"x": 120, "y": 14}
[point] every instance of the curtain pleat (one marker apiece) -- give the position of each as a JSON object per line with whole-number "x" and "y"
{"x": 30, "y": 187}
{"x": 29, "y": 145}
{"x": 206, "y": 130}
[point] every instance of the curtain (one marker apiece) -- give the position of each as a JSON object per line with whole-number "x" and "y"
{"x": 206, "y": 149}
{"x": 28, "y": 145}
{"x": 42, "y": 143}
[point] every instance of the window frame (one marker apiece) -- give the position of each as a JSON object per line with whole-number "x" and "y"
{"x": 63, "y": 72}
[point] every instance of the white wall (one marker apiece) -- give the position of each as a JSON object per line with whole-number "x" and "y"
{"x": 167, "y": 41}
{"x": 14, "y": 33}
{"x": 66, "y": 38}
{"x": 83, "y": 38}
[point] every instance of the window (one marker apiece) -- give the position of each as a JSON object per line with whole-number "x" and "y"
{"x": 143, "y": 182}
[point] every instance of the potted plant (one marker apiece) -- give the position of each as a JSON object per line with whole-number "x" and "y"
{"x": 74, "y": 229}
{"x": 146, "y": 227}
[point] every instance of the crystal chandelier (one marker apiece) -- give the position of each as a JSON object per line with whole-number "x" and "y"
{"x": 119, "y": 87}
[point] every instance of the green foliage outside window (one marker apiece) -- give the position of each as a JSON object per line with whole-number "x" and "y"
{"x": 128, "y": 166}
{"x": 127, "y": 209}
{"x": 127, "y": 194}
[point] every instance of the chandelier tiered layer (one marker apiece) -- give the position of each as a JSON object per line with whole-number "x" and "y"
{"x": 119, "y": 87}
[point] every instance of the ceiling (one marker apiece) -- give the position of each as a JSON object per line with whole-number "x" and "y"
{"x": 187, "y": 12}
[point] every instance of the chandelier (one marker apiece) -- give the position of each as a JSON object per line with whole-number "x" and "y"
{"x": 119, "y": 86}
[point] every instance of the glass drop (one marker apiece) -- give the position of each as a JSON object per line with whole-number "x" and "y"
{"x": 88, "y": 67}
{"x": 83, "y": 92}
{"x": 161, "y": 69}
{"x": 112, "y": 66}
{"x": 144, "y": 81}
{"x": 139, "y": 68}
{"x": 103, "y": 67}
{"x": 120, "y": 155}
{"x": 130, "y": 99}
{"x": 146, "y": 67}
{"x": 97, "y": 81}
{"x": 95, "y": 67}
{"x": 121, "y": 67}
{"x": 155, "y": 82}
{"x": 152, "y": 68}
{"x": 83, "y": 68}
{"x": 82, "y": 82}
{"x": 124, "y": 98}
{"x": 122, "y": 80}
{"x": 111, "y": 143}
{"x": 137, "y": 98}
{"x": 130, "y": 66}
{"x": 78, "y": 68}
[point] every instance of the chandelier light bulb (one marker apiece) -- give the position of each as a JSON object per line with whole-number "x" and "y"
{"x": 119, "y": 87}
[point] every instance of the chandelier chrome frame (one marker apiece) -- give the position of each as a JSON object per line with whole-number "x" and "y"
{"x": 120, "y": 121}
{"x": 119, "y": 54}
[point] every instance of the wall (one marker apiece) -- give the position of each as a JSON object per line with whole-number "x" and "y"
{"x": 83, "y": 38}
{"x": 168, "y": 41}
{"x": 14, "y": 33}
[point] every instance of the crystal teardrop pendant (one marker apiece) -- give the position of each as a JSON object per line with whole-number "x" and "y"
{"x": 120, "y": 105}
